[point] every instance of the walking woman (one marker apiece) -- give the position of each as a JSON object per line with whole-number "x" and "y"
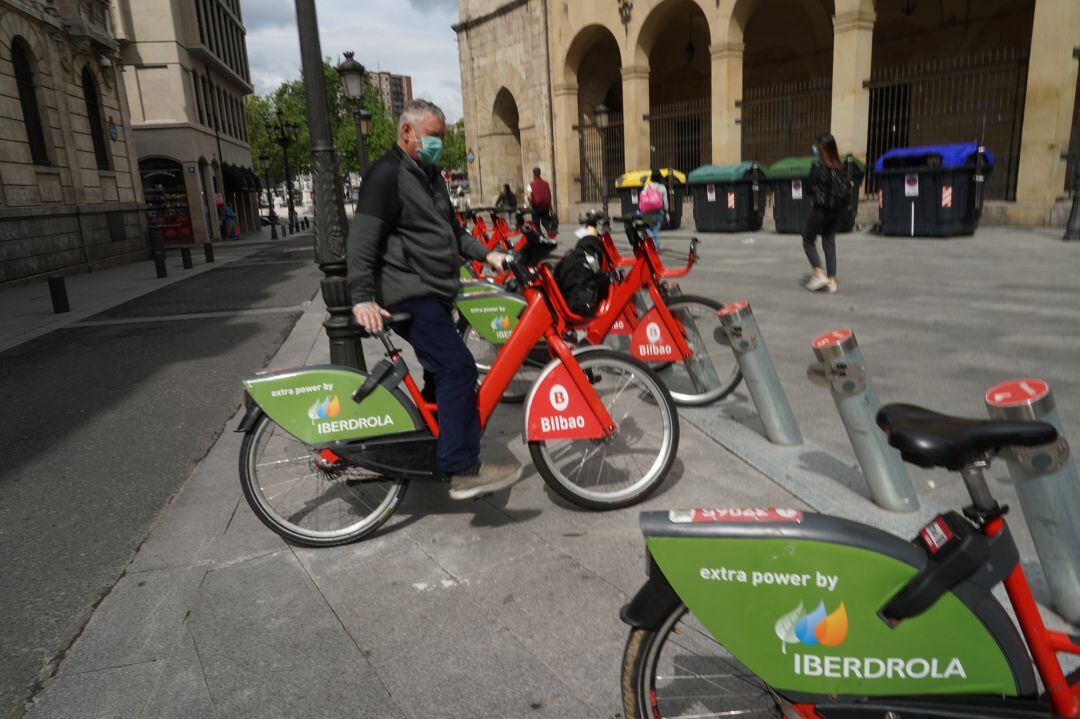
{"x": 830, "y": 195}
{"x": 653, "y": 203}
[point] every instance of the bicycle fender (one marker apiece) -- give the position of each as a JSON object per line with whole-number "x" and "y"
{"x": 653, "y": 603}
{"x": 652, "y": 342}
{"x": 252, "y": 412}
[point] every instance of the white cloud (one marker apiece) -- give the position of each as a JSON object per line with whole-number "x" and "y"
{"x": 409, "y": 38}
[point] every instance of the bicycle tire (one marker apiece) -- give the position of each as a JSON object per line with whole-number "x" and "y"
{"x": 603, "y": 365}
{"x": 688, "y": 388}
{"x": 344, "y": 479}
{"x": 721, "y": 688}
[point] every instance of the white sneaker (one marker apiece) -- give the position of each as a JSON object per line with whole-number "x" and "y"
{"x": 485, "y": 478}
{"x": 816, "y": 282}
{"x": 830, "y": 287}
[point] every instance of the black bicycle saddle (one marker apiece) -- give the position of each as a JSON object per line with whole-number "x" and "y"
{"x": 930, "y": 439}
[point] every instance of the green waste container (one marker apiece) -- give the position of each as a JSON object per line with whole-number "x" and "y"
{"x": 787, "y": 180}
{"x": 630, "y": 183}
{"x": 727, "y": 198}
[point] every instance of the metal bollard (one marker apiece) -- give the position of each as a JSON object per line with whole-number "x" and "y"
{"x": 208, "y": 251}
{"x": 185, "y": 255}
{"x": 1047, "y": 486}
{"x": 738, "y": 323}
{"x": 58, "y": 293}
{"x": 841, "y": 368}
{"x": 159, "y": 265}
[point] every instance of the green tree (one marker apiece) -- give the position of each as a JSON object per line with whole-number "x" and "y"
{"x": 454, "y": 147}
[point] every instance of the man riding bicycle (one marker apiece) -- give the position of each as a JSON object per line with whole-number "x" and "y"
{"x": 403, "y": 254}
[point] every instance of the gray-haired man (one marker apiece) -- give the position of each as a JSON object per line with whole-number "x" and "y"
{"x": 403, "y": 249}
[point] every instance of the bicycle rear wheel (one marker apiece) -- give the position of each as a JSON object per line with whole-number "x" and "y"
{"x": 305, "y": 498}
{"x": 712, "y": 372}
{"x": 625, "y": 468}
{"x": 679, "y": 670}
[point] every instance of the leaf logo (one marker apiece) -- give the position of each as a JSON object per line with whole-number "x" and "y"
{"x": 813, "y": 629}
{"x": 327, "y": 408}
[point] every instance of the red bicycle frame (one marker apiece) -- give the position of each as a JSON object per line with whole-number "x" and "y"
{"x": 542, "y": 319}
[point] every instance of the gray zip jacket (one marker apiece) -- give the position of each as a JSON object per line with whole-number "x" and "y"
{"x": 404, "y": 240}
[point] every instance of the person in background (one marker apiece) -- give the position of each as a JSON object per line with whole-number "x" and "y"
{"x": 653, "y": 203}
{"x": 507, "y": 200}
{"x": 540, "y": 199}
{"x": 403, "y": 252}
{"x": 830, "y": 195}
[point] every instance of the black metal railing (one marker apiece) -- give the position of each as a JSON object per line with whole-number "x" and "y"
{"x": 1074, "y": 136}
{"x": 680, "y": 134}
{"x": 590, "y": 147}
{"x": 952, "y": 99}
{"x": 782, "y": 120}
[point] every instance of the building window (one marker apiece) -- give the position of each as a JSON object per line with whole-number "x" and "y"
{"x": 199, "y": 98}
{"x": 93, "y": 117}
{"x": 201, "y": 21}
{"x": 24, "y": 80}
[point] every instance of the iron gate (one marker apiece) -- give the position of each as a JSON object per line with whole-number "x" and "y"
{"x": 680, "y": 134}
{"x": 590, "y": 148}
{"x": 783, "y": 120}
{"x": 952, "y": 99}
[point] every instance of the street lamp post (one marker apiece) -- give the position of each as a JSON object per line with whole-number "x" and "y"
{"x": 284, "y": 134}
{"x": 264, "y": 159}
{"x": 353, "y": 81}
{"x": 331, "y": 225}
{"x": 602, "y": 117}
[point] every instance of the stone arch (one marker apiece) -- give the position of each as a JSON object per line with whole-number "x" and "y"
{"x": 658, "y": 18}
{"x": 504, "y": 144}
{"x": 817, "y": 12}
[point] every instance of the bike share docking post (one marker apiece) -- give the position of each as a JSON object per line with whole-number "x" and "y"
{"x": 742, "y": 333}
{"x": 1047, "y": 487}
{"x": 841, "y": 368}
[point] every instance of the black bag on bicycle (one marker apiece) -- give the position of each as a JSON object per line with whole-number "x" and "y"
{"x": 581, "y": 277}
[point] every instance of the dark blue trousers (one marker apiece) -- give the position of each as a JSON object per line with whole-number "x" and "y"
{"x": 449, "y": 375}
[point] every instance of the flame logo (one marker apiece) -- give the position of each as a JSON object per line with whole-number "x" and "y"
{"x": 327, "y": 408}
{"x": 813, "y": 629}
{"x": 501, "y": 323}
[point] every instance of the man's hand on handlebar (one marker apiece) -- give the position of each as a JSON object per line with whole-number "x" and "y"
{"x": 495, "y": 260}
{"x": 370, "y": 316}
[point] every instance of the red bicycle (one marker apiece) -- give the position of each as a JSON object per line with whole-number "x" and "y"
{"x": 329, "y": 451}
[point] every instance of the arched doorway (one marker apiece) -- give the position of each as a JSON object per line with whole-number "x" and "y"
{"x": 593, "y": 63}
{"x": 952, "y": 71}
{"x": 504, "y": 145}
{"x": 677, "y": 41}
{"x": 787, "y": 77}
{"x": 166, "y": 199}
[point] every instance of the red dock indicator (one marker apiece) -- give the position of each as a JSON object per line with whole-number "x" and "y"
{"x": 1017, "y": 392}
{"x": 831, "y": 339}
{"x": 733, "y": 308}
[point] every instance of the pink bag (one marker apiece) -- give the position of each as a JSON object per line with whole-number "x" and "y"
{"x": 651, "y": 199}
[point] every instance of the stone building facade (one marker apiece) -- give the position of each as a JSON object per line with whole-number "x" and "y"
{"x": 186, "y": 70}
{"x": 692, "y": 82}
{"x": 70, "y": 199}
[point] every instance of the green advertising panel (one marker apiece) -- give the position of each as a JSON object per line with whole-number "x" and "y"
{"x": 315, "y": 405}
{"x": 468, "y": 287}
{"x": 802, "y": 615}
{"x": 493, "y": 316}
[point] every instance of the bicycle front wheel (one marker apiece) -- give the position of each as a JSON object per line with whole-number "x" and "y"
{"x": 712, "y": 372}
{"x": 679, "y": 670}
{"x": 306, "y": 499}
{"x": 622, "y": 469}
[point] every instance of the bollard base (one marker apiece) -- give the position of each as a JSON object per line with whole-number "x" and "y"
{"x": 185, "y": 256}
{"x": 208, "y": 252}
{"x": 58, "y": 294}
{"x": 159, "y": 265}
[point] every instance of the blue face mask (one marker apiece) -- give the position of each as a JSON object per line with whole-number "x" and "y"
{"x": 814, "y": 150}
{"x": 431, "y": 149}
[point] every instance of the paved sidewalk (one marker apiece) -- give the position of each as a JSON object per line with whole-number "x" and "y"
{"x": 28, "y": 308}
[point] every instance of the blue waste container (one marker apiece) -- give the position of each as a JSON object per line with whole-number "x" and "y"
{"x": 933, "y": 190}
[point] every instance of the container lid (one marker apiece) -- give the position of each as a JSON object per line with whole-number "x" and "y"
{"x": 799, "y": 167}
{"x": 720, "y": 173}
{"x": 946, "y": 156}
{"x": 637, "y": 178}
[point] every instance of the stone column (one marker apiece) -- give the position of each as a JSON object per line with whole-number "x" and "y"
{"x": 1048, "y": 108}
{"x": 727, "y": 76}
{"x": 567, "y": 148}
{"x": 635, "y": 84}
{"x": 853, "y": 43}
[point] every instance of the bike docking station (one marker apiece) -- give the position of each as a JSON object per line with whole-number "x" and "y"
{"x": 742, "y": 333}
{"x": 841, "y": 368}
{"x": 1047, "y": 486}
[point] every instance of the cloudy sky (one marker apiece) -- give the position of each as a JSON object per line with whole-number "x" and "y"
{"x": 407, "y": 37}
